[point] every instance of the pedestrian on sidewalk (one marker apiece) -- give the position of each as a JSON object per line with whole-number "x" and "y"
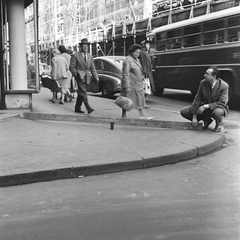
{"x": 64, "y": 54}
{"x": 132, "y": 81}
{"x": 59, "y": 74}
{"x": 210, "y": 101}
{"x": 146, "y": 63}
{"x": 81, "y": 65}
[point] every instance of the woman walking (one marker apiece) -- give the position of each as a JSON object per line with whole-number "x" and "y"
{"x": 132, "y": 81}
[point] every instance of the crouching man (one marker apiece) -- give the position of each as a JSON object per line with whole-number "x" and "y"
{"x": 210, "y": 101}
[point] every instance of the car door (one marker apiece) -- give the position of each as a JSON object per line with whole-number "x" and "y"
{"x": 94, "y": 86}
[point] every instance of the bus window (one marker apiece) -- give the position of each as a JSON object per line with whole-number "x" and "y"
{"x": 174, "y": 33}
{"x": 174, "y": 40}
{"x": 161, "y": 36}
{"x": 213, "y": 25}
{"x": 191, "y": 36}
{"x": 160, "y": 45}
{"x": 234, "y": 34}
{"x": 160, "y": 41}
{"x": 234, "y": 21}
{"x": 192, "y": 41}
{"x": 213, "y": 37}
{"x": 233, "y": 29}
{"x": 191, "y": 30}
{"x": 173, "y": 43}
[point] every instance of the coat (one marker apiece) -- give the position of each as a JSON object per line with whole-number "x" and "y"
{"x": 69, "y": 74}
{"x": 145, "y": 61}
{"x": 132, "y": 79}
{"x": 216, "y": 98}
{"x": 59, "y": 68}
{"x": 81, "y": 70}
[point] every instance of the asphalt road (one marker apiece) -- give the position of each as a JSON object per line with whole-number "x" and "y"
{"x": 196, "y": 199}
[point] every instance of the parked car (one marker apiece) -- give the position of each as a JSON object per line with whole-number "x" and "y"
{"x": 44, "y": 69}
{"x": 109, "y": 70}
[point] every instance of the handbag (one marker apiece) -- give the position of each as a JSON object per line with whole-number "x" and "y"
{"x": 146, "y": 86}
{"x": 124, "y": 102}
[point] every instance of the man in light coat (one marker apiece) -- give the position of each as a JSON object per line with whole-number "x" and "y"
{"x": 81, "y": 65}
{"x": 210, "y": 101}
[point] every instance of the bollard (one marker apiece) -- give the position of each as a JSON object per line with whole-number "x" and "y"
{"x": 111, "y": 125}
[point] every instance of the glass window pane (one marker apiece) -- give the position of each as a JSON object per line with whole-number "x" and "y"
{"x": 234, "y": 21}
{"x": 175, "y": 33}
{"x": 191, "y": 41}
{"x": 173, "y": 43}
{"x": 192, "y": 30}
{"x": 160, "y": 45}
{"x": 213, "y": 25}
{"x": 161, "y": 36}
{"x": 234, "y": 34}
{"x": 213, "y": 37}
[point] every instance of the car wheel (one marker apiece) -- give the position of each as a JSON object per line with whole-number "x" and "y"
{"x": 158, "y": 91}
{"x": 105, "y": 91}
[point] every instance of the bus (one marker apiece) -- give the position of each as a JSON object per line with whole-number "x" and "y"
{"x": 184, "y": 50}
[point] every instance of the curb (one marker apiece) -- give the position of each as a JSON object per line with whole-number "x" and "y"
{"x": 6, "y": 116}
{"x": 79, "y": 172}
{"x": 10, "y": 114}
{"x": 108, "y": 120}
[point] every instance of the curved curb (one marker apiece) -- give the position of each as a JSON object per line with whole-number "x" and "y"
{"x": 188, "y": 151}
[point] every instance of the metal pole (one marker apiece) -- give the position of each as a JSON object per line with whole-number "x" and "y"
{"x": 105, "y": 47}
{"x": 113, "y": 43}
{"x": 35, "y": 19}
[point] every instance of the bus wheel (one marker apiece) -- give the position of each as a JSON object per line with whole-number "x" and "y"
{"x": 158, "y": 91}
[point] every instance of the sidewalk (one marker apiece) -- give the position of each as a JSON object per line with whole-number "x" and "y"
{"x": 53, "y": 142}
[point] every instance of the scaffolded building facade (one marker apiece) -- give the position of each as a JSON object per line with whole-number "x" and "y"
{"x": 67, "y": 21}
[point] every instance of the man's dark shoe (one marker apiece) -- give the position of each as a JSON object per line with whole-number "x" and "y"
{"x": 79, "y": 111}
{"x": 90, "y": 111}
{"x": 207, "y": 122}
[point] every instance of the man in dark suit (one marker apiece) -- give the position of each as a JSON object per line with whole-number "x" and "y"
{"x": 210, "y": 101}
{"x": 81, "y": 65}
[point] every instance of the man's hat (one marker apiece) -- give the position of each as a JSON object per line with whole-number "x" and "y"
{"x": 84, "y": 41}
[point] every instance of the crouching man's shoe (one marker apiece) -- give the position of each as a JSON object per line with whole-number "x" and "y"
{"x": 207, "y": 122}
{"x": 194, "y": 122}
{"x": 218, "y": 127}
